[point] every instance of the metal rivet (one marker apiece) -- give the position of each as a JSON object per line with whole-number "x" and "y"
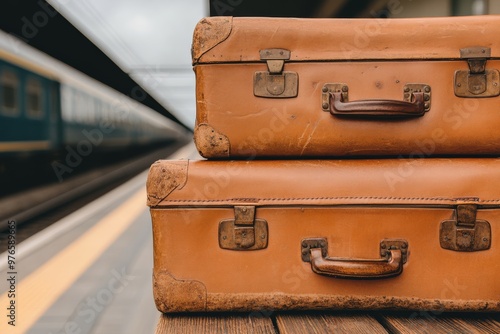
{"x": 459, "y": 84}
{"x": 406, "y": 89}
{"x": 426, "y": 105}
{"x": 397, "y": 81}
{"x": 322, "y": 244}
{"x": 383, "y": 246}
{"x": 304, "y": 252}
{"x": 325, "y": 89}
{"x": 224, "y": 237}
{"x": 483, "y": 51}
{"x": 403, "y": 246}
{"x": 244, "y": 234}
{"x": 263, "y": 236}
{"x": 304, "y": 244}
{"x": 427, "y": 89}
{"x": 445, "y": 238}
{"x": 345, "y": 88}
{"x": 427, "y": 97}
{"x": 485, "y": 239}
{"x": 495, "y": 84}
{"x": 244, "y": 209}
{"x": 325, "y": 105}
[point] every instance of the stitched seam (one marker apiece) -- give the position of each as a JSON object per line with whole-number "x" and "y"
{"x": 334, "y": 198}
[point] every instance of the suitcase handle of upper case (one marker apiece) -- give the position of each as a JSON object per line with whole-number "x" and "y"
{"x": 394, "y": 254}
{"x": 377, "y": 108}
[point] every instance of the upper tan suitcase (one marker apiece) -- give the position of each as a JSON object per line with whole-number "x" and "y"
{"x": 274, "y": 87}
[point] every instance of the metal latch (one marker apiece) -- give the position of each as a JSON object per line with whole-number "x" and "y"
{"x": 244, "y": 232}
{"x": 465, "y": 233}
{"x": 275, "y": 82}
{"x": 478, "y": 81}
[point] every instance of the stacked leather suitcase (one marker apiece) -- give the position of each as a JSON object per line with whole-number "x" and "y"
{"x": 352, "y": 164}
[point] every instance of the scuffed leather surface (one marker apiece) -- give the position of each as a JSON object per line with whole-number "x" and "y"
{"x": 354, "y": 205}
{"x": 298, "y": 127}
{"x": 375, "y": 58}
{"x": 435, "y": 181}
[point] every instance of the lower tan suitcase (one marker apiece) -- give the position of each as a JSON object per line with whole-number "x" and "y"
{"x": 311, "y": 234}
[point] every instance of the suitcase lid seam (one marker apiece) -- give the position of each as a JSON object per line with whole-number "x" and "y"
{"x": 434, "y": 200}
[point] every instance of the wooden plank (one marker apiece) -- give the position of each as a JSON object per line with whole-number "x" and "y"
{"x": 328, "y": 322}
{"x": 215, "y": 323}
{"x": 430, "y": 323}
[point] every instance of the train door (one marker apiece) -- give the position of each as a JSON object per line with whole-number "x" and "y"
{"x": 55, "y": 120}
{"x": 10, "y": 110}
{"x": 36, "y": 113}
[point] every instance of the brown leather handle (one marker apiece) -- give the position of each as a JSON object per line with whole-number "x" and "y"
{"x": 357, "y": 268}
{"x": 377, "y": 108}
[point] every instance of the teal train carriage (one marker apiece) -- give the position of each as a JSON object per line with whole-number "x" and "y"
{"x": 29, "y": 111}
{"x": 50, "y": 109}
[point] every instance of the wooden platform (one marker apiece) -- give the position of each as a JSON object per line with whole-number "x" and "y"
{"x": 329, "y": 322}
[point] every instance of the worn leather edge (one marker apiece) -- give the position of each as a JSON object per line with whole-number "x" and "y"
{"x": 208, "y": 33}
{"x": 201, "y": 103}
{"x": 164, "y": 177}
{"x": 173, "y": 295}
{"x": 210, "y": 142}
{"x": 280, "y": 301}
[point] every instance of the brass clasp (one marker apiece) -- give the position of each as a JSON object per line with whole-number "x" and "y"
{"x": 275, "y": 82}
{"x": 465, "y": 233}
{"x": 478, "y": 81}
{"x": 244, "y": 232}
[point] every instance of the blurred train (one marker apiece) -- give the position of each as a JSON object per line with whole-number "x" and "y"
{"x": 48, "y": 108}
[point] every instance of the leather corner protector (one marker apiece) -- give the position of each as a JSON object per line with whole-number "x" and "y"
{"x": 172, "y": 295}
{"x": 208, "y": 33}
{"x": 211, "y": 143}
{"x": 164, "y": 177}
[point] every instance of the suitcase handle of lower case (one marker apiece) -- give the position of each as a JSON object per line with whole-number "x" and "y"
{"x": 391, "y": 264}
{"x": 377, "y": 108}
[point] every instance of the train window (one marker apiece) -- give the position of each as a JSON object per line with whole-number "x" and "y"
{"x": 10, "y": 93}
{"x": 34, "y": 98}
